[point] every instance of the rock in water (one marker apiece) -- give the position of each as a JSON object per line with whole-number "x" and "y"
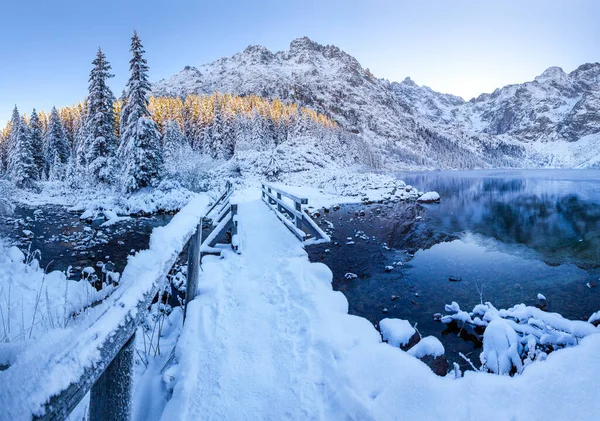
{"x": 542, "y": 303}
{"x": 439, "y": 365}
{"x": 454, "y": 278}
{"x": 429, "y": 197}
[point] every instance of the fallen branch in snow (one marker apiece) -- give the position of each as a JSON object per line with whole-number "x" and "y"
{"x": 514, "y": 338}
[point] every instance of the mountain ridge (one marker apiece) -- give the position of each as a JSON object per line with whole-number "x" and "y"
{"x": 554, "y": 107}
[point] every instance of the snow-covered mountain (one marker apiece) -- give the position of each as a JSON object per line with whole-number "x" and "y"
{"x": 553, "y": 120}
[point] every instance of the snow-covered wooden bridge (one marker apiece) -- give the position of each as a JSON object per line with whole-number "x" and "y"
{"x": 267, "y": 338}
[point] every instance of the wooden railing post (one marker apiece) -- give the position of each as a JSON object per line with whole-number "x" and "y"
{"x": 110, "y": 397}
{"x": 193, "y": 267}
{"x": 298, "y": 215}
{"x": 234, "y": 225}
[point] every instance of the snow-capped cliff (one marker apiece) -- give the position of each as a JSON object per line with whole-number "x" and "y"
{"x": 414, "y": 125}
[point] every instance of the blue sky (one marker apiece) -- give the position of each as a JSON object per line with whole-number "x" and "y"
{"x": 458, "y": 46}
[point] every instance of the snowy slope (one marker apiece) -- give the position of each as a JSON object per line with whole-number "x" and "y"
{"x": 494, "y": 129}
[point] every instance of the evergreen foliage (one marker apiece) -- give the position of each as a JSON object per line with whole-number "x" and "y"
{"x": 97, "y": 151}
{"x": 56, "y": 145}
{"x": 173, "y": 140}
{"x": 21, "y": 168}
{"x": 140, "y": 150}
{"x": 37, "y": 143}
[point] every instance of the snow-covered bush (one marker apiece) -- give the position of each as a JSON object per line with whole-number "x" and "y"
{"x": 7, "y": 192}
{"x": 32, "y": 301}
{"x": 191, "y": 169}
{"x": 514, "y": 338}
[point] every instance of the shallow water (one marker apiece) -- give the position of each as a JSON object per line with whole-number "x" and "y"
{"x": 64, "y": 240}
{"x": 508, "y": 235}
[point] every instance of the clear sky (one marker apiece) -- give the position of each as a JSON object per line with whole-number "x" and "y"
{"x": 463, "y": 47}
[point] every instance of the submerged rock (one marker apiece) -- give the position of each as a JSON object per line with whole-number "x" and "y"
{"x": 542, "y": 303}
{"x": 439, "y": 365}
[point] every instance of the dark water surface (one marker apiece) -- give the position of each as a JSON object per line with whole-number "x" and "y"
{"x": 64, "y": 240}
{"x": 508, "y": 235}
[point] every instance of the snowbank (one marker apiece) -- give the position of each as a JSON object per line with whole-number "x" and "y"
{"x": 520, "y": 335}
{"x": 396, "y": 332}
{"x": 429, "y": 345}
{"x": 33, "y": 302}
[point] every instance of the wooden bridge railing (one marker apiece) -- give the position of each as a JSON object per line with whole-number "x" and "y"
{"x": 110, "y": 337}
{"x": 289, "y": 209}
{"x": 223, "y": 215}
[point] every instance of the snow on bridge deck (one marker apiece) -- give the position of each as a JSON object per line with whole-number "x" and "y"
{"x": 268, "y": 339}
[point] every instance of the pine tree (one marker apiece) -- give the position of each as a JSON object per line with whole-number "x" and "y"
{"x": 140, "y": 150}
{"x": 37, "y": 142}
{"x": 173, "y": 140}
{"x": 80, "y": 161}
{"x": 56, "y": 145}
{"x": 100, "y": 142}
{"x": 21, "y": 167}
{"x": 13, "y": 135}
{"x": 4, "y": 136}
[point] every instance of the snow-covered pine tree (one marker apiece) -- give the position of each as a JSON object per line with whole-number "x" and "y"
{"x": 257, "y": 134}
{"x": 214, "y": 133}
{"x": 21, "y": 165}
{"x": 122, "y": 117}
{"x": 173, "y": 140}
{"x": 81, "y": 146}
{"x": 100, "y": 142}
{"x": 56, "y": 145}
{"x": 220, "y": 143}
{"x": 4, "y": 135}
{"x": 140, "y": 150}
{"x": 15, "y": 120}
{"x": 37, "y": 142}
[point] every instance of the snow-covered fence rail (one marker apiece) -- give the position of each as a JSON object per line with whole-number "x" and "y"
{"x": 224, "y": 217}
{"x": 50, "y": 378}
{"x": 289, "y": 208}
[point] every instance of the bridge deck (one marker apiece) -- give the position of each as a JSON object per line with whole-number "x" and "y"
{"x": 268, "y": 339}
{"x": 251, "y": 344}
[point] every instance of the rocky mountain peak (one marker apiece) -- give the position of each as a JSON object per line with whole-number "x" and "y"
{"x": 303, "y": 44}
{"x": 409, "y": 82}
{"x": 552, "y": 73}
{"x": 256, "y": 53}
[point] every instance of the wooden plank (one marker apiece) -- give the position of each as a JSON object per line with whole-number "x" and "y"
{"x": 297, "y": 232}
{"x": 215, "y": 232}
{"x": 286, "y": 206}
{"x": 193, "y": 267}
{"x": 228, "y": 191}
{"x": 60, "y": 406}
{"x": 110, "y": 398}
{"x": 314, "y": 229}
{"x": 301, "y": 200}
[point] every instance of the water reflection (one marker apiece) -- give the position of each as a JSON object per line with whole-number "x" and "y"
{"x": 507, "y": 235}
{"x": 555, "y": 213}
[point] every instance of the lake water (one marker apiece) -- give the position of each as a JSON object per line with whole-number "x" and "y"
{"x": 508, "y": 235}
